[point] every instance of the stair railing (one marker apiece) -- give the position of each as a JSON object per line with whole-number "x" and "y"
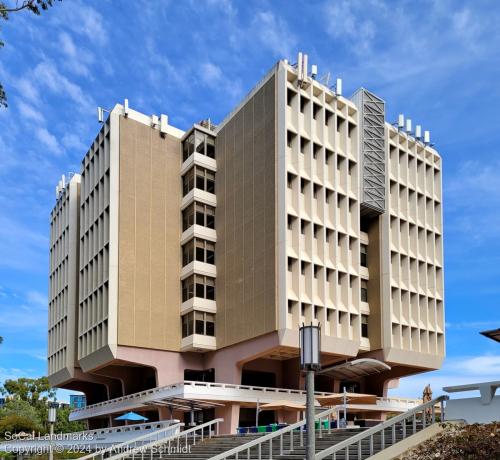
{"x": 428, "y": 417}
{"x": 134, "y": 442}
{"x": 165, "y": 446}
{"x": 155, "y": 439}
{"x": 290, "y": 433}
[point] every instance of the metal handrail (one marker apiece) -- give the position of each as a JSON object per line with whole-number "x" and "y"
{"x": 276, "y": 434}
{"x": 134, "y": 441}
{"x": 391, "y": 423}
{"x": 174, "y": 438}
{"x": 185, "y": 383}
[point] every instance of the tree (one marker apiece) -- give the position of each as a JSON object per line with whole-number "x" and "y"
{"x": 36, "y": 7}
{"x": 63, "y": 425}
{"x": 35, "y": 391}
{"x": 25, "y": 411}
{"x": 14, "y": 423}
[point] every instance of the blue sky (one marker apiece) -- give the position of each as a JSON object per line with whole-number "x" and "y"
{"x": 436, "y": 61}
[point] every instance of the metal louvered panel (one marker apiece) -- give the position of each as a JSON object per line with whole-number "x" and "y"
{"x": 372, "y": 156}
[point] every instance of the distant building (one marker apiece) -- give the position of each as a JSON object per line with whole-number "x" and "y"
{"x": 77, "y": 401}
{"x": 195, "y": 256}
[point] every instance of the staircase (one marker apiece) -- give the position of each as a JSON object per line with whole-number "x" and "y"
{"x": 218, "y": 445}
{"x": 288, "y": 443}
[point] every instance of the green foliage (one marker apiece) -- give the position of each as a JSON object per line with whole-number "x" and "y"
{"x": 24, "y": 409}
{"x": 35, "y": 391}
{"x": 63, "y": 425}
{"x": 460, "y": 442}
{"x": 36, "y": 7}
{"x": 14, "y": 423}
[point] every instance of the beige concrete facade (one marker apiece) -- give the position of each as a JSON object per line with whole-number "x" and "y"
{"x": 202, "y": 252}
{"x": 63, "y": 282}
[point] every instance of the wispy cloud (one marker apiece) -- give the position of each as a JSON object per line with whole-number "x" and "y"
{"x": 28, "y": 111}
{"x": 458, "y": 370}
{"x": 48, "y": 140}
{"x": 49, "y": 77}
{"x": 273, "y": 33}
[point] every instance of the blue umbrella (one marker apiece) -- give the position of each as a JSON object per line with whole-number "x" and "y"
{"x": 132, "y": 417}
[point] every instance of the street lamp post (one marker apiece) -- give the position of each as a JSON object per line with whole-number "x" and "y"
{"x": 310, "y": 350}
{"x": 52, "y": 417}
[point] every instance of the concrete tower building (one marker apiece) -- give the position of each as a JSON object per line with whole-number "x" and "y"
{"x": 201, "y": 252}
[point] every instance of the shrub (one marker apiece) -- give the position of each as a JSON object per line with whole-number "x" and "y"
{"x": 461, "y": 442}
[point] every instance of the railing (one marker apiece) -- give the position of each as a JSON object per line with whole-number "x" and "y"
{"x": 154, "y": 436}
{"x": 428, "y": 417}
{"x": 193, "y": 384}
{"x": 96, "y": 438}
{"x": 290, "y": 433}
{"x": 188, "y": 435}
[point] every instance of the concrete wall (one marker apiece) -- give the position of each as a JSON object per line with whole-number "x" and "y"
{"x": 149, "y": 235}
{"x": 245, "y": 221}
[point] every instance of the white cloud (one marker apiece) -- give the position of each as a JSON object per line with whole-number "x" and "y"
{"x": 213, "y": 77}
{"x": 72, "y": 141}
{"x": 83, "y": 20}
{"x": 37, "y": 298}
{"x": 49, "y": 76}
{"x": 49, "y": 140}
{"x": 210, "y": 73}
{"x": 273, "y": 33}
{"x": 29, "y": 112}
{"x": 344, "y": 23}
{"x": 21, "y": 247}
{"x": 77, "y": 59}
{"x": 27, "y": 89}
{"x": 459, "y": 370}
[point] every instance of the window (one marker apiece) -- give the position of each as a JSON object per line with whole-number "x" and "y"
{"x": 205, "y": 179}
{"x": 198, "y": 322}
{"x": 304, "y": 143}
{"x": 199, "y": 214}
{"x": 364, "y": 255}
{"x": 364, "y": 326}
{"x": 198, "y": 142}
{"x": 316, "y": 150}
{"x": 290, "y": 179}
{"x": 188, "y": 147}
{"x": 316, "y": 189}
{"x": 328, "y": 117}
{"x": 316, "y": 110}
{"x": 303, "y": 103}
{"x": 303, "y": 225}
{"x": 328, "y": 156}
{"x": 303, "y": 267}
{"x": 290, "y": 137}
{"x": 364, "y": 291}
{"x": 290, "y": 96}
{"x": 303, "y": 185}
{"x": 317, "y": 229}
{"x": 317, "y": 268}
{"x": 199, "y": 250}
{"x": 198, "y": 286}
{"x": 291, "y": 263}
{"x": 210, "y": 147}
{"x": 290, "y": 221}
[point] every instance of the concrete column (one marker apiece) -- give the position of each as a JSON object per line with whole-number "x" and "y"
{"x": 231, "y": 415}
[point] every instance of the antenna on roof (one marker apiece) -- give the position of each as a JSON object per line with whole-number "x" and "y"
{"x": 408, "y": 126}
{"x": 338, "y": 87}
{"x": 418, "y": 132}
{"x": 401, "y": 121}
{"x": 427, "y": 138}
{"x": 125, "y": 108}
{"x": 325, "y": 79}
{"x": 314, "y": 71}
{"x": 100, "y": 114}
